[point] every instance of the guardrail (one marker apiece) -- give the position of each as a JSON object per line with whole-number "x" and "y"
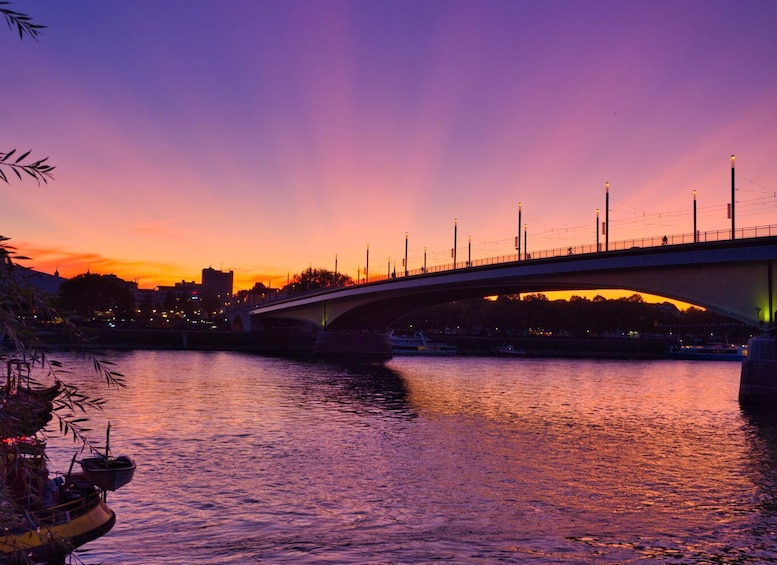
{"x": 644, "y": 242}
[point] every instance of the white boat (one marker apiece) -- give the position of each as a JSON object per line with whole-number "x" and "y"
{"x": 711, "y": 352}
{"x": 416, "y": 343}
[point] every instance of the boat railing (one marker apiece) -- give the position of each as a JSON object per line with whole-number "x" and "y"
{"x": 82, "y": 502}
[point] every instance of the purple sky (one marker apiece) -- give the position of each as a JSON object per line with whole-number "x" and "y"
{"x": 266, "y": 137}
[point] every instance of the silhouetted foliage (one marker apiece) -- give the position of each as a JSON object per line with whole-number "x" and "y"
{"x": 20, "y": 330}
{"x": 313, "y": 279}
{"x": 22, "y": 22}
{"x": 535, "y": 314}
{"x": 22, "y": 307}
{"x": 39, "y": 170}
{"x": 10, "y": 160}
{"x": 91, "y": 295}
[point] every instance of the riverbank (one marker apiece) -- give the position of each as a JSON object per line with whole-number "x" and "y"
{"x": 566, "y": 347}
{"x": 300, "y": 344}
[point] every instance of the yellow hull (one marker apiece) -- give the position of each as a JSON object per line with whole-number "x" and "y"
{"x": 60, "y": 539}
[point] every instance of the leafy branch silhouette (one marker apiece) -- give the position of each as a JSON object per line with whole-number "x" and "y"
{"x": 39, "y": 170}
{"x": 22, "y": 22}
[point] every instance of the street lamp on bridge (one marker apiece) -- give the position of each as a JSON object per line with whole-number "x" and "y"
{"x": 525, "y": 246}
{"x": 405, "y": 263}
{"x": 733, "y": 198}
{"x": 607, "y": 216}
{"x": 695, "y": 233}
{"x": 518, "y": 237}
{"x": 596, "y": 229}
{"x": 455, "y": 239}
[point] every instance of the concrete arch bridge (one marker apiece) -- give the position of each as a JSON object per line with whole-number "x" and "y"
{"x": 732, "y": 277}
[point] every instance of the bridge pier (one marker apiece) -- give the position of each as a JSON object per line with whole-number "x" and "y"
{"x": 353, "y": 346}
{"x": 758, "y": 380}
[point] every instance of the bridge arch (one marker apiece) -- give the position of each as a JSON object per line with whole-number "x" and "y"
{"x": 734, "y": 278}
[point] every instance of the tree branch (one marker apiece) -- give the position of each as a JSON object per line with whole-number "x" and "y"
{"x": 22, "y": 22}
{"x": 39, "y": 170}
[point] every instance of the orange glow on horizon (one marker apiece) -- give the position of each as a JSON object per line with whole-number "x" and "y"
{"x": 155, "y": 275}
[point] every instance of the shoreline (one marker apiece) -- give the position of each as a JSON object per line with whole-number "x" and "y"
{"x": 301, "y": 344}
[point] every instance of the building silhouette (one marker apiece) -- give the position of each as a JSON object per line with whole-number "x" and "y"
{"x": 218, "y": 283}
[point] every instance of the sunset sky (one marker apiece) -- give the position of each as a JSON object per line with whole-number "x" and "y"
{"x": 265, "y": 137}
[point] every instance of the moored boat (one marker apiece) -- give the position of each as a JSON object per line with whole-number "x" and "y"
{"x": 710, "y": 352}
{"x": 24, "y": 409}
{"x": 46, "y": 518}
{"x": 416, "y": 343}
{"x": 52, "y": 532}
{"x": 108, "y": 473}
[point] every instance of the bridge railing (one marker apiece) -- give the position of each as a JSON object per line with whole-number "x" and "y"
{"x": 635, "y": 243}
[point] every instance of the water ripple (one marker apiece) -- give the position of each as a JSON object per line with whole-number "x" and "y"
{"x": 245, "y": 459}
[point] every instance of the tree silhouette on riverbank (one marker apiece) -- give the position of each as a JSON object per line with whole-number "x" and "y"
{"x": 535, "y": 314}
{"x": 313, "y": 279}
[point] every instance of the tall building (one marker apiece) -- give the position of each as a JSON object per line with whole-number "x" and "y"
{"x": 218, "y": 282}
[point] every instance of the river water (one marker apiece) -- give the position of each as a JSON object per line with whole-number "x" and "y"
{"x": 249, "y": 459}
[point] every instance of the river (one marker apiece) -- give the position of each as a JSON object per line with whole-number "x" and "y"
{"x": 463, "y": 460}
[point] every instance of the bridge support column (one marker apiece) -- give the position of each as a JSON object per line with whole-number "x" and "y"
{"x": 358, "y": 347}
{"x": 758, "y": 381}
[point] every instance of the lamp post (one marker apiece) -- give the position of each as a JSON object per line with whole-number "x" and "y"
{"x": 733, "y": 199}
{"x": 596, "y": 229}
{"x": 405, "y": 254}
{"x": 455, "y": 239}
{"x": 525, "y": 248}
{"x": 335, "y": 266}
{"x": 424, "y": 259}
{"x": 695, "y": 233}
{"x": 607, "y": 216}
{"x": 469, "y": 252}
{"x": 518, "y": 238}
{"x": 367, "y": 266}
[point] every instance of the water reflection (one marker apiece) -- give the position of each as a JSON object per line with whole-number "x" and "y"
{"x": 244, "y": 459}
{"x": 760, "y": 429}
{"x": 360, "y": 388}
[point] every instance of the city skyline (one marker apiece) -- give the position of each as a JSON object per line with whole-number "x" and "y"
{"x": 265, "y": 138}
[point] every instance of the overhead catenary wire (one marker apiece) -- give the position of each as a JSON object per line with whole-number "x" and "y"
{"x": 626, "y": 220}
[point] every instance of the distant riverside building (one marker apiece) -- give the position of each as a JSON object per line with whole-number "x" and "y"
{"x": 180, "y": 291}
{"x": 259, "y": 293}
{"x": 218, "y": 283}
{"x": 146, "y": 298}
